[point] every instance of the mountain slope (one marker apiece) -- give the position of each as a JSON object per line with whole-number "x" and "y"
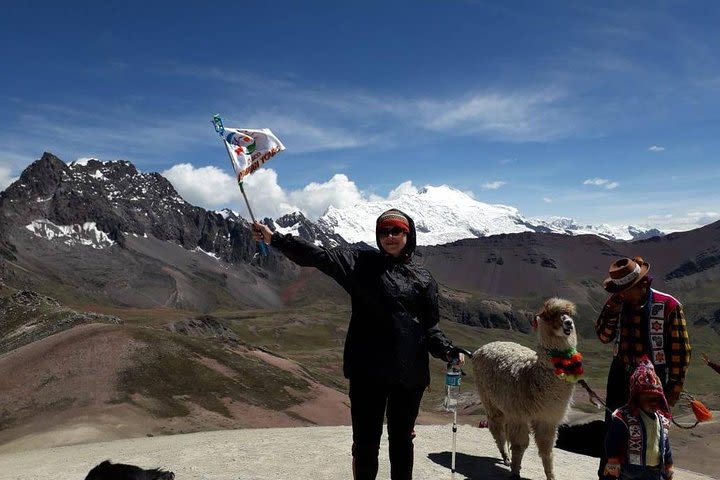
{"x": 104, "y": 232}
{"x": 522, "y": 269}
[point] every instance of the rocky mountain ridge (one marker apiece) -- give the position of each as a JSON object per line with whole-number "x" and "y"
{"x": 115, "y": 199}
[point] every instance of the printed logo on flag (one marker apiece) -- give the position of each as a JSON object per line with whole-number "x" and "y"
{"x": 250, "y": 149}
{"x": 244, "y": 144}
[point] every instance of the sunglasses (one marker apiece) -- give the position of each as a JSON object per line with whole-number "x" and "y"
{"x": 394, "y": 231}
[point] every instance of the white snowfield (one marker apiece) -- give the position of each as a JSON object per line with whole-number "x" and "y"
{"x": 315, "y": 453}
{"x": 443, "y": 214}
{"x": 85, "y": 234}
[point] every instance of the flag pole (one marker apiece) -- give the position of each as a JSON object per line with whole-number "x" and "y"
{"x": 220, "y": 129}
{"x": 252, "y": 217}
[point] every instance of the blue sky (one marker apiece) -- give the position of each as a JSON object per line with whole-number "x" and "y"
{"x": 598, "y": 111}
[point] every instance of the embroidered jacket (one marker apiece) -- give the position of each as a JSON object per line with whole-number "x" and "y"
{"x": 657, "y": 329}
{"x": 626, "y": 441}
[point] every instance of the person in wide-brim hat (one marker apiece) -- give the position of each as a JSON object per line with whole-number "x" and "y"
{"x": 625, "y": 274}
{"x": 640, "y": 320}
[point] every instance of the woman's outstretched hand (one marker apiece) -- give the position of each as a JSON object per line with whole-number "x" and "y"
{"x": 261, "y": 232}
{"x": 457, "y": 355}
{"x": 458, "y": 360}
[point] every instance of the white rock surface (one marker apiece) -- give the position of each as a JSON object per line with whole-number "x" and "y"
{"x": 291, "y": 453}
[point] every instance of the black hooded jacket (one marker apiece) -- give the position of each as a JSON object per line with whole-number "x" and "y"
{"x": 395, "y": 313}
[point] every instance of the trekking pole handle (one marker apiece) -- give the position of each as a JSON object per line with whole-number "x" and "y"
{"x": 454, "y": 354}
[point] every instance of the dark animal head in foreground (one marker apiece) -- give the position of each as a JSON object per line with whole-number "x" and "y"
{"x": 585, "y": 438}
{"x": 119, "y": 471}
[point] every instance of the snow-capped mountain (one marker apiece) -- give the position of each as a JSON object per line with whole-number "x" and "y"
{"x": 443, "y": 214}
{"x": 611, "y": 232}
{"x": 99, "y": 204}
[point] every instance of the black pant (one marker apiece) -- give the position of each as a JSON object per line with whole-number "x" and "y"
{"x": 368, "y": 401}
{"x": 617, "y": 395}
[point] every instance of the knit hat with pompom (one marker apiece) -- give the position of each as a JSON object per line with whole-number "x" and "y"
{"x": 645, "y": 380}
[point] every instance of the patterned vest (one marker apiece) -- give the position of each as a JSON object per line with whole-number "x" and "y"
{"x": 661, "y": 304}
{"x": 635, "y": 454}
{"x": 656, "y": 314}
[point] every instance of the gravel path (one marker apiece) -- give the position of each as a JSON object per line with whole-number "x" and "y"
{"x": 315, "y": 453}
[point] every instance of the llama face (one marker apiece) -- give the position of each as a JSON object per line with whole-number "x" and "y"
{"x": 557, "y": 325}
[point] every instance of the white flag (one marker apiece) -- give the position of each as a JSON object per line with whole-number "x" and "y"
{"x": 249, "y": 149}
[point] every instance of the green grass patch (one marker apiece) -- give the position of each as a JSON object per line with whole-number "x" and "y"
{"x": 168, "y": 370}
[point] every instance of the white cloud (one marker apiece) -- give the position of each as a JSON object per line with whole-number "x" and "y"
{"x": 11, "y": 164}
{"x": 601, "y": 182}
{"x": 595, "y": 181}
{"x": 315, "y": 198}
{"x": 514, "y": 116}
{"x": 214, "y": 189}
{"x": 547, "y": 199}
{"x": 493, "y": 185}
{"x": 533, "y": 114}
{"x": 688, "y": 221}
{"x": 402, "y": 189}
{"x": 6, "y": 177}
{"x": 704, "y": 218}
{"x": 265, "y": 195}
{"x": 656, "y": 148}
{"x": 205, "y": 186}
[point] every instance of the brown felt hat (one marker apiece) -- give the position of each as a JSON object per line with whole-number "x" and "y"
{"x": 625, "y": 273}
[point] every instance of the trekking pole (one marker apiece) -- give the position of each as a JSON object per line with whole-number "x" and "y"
{"x": 454, "y": 430}
{"x": 453, "y": 379}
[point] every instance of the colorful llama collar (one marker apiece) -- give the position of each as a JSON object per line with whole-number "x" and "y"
{"x": 567, "y": 363}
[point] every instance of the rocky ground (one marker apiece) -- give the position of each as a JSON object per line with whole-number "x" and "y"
{"x": 298, "y": 453}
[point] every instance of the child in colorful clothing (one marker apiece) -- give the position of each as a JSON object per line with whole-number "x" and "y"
{"x": 637, "y": 444}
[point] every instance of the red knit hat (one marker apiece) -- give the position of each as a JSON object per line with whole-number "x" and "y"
{"x": 645, "y": 380}
{"x": 393, "y": 218}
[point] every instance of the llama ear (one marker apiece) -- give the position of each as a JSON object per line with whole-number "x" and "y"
{"x": 534, "y": 322}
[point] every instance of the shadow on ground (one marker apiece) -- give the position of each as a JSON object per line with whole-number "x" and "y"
{"x": 472, "y": 467}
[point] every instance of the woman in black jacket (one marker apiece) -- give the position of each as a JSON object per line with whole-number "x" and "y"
{"x": 392, "y": 329}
